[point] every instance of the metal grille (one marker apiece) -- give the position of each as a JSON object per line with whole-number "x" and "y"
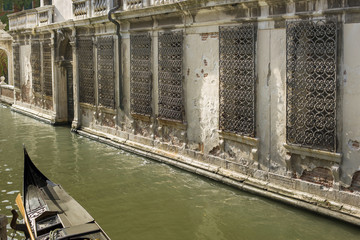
{"x": 311, "y": 83}
{"x": 16, "y": 59}
{"x": 140, "y": 74}
{"x": 170, "y": 75}
{"x": 105, "y": 72}
{"x": 47, "y": 68}
{"x": 36, "y": 66}
{"x": 70, "y": 94}
{"x": 237, "y": 79}
{"x": 86, "y": 70}
{"x": 335, "y": 3}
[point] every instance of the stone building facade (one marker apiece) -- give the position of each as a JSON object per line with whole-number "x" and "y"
{"x": 258, "y": 94}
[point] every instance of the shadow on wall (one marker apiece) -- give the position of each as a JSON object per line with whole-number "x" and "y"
{"x": 355, "y": 183}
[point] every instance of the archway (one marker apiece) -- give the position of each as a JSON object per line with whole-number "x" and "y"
{"x": 65, "y": 73}
{"x": 4, "y": 65}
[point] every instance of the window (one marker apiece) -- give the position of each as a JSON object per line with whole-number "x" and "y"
{"x": 237, "y": 79}
{"x": 170, "y": 76}
{"x": 105, "y": 63}
{"x": 86, "y": 70}
{"x": 8, "y": 5}
{"x": 140, "y": 74}
{"x": 47, "y": 66}
{"x": 311, "y": 84}
{"x": 36, "y": 66}
{"x": 16, "y": 61}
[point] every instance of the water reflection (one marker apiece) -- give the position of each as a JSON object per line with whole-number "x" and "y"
{"x": 135, "y": 198}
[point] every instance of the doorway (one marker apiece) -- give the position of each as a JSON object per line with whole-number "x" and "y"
{"x": 65, "y": 76}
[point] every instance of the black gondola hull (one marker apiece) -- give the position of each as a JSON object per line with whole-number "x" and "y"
{"x": 52, "y": 212}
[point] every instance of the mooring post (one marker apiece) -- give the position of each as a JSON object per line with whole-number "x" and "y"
{"x": 3, "y": 223}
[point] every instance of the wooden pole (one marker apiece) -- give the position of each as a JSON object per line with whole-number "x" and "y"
{"x": 21, "y": 207}
{"x": 3, "y": 223}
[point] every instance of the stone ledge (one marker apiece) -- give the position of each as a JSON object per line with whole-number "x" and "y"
{"x": 253, "y": 142}
{"x": 271, "y": 187}
{"x": 172, "y": 123}
{"x": 308, "y": 152}
{"x": 7, "y": 86}
{"x": 6, "y": 100}
{"x": 33, "y": 114}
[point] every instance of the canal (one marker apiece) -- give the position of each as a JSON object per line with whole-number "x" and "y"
{"x": 135, "y": 198}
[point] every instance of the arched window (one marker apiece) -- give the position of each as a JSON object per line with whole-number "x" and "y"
{"x": 4, "y": 65}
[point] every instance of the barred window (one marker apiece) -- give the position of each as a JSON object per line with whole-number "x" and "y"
{"x": 106, "y": 81}
{"x": 47, "y": 68}
{"x": 311, "y": 84}
{"x": 140, "y": 74}
{"x": 86, "y": 70}
{"x": 171, "y": 75}
{"x": 36, "y": 66}
{"x": 237, "y": 79}
{"x": 16, "y": 60}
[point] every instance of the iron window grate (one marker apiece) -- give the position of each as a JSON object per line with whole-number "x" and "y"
{"x": 237, "y": 79}
{"x": 311, "y": 56}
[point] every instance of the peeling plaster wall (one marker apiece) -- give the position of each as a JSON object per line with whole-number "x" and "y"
{"x": 263, "y": 109}
{"x": 202, "y": 84}
{"x": 265, "y": 160}
{"x": 25, "y": 73}
{"x": 277, "y": 100}
{"x": 351, "y": 96}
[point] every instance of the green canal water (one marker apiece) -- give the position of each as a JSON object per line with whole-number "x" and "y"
{"x": 135, "y": 198}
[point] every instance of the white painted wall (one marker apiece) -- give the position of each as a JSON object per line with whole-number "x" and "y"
{"x": 63, "y": 10}
{"x": 350, "y": 99}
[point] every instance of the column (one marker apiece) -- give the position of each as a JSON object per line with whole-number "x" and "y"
{"x": 76, "y": 121}
{"x": 55, "y": 88}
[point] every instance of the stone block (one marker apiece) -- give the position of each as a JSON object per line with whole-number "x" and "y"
{"x": 281, "y": 181}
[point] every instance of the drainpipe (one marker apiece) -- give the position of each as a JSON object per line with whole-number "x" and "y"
{"x": 119, "y": 49}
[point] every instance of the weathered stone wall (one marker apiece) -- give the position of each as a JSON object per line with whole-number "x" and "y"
{"x": 6, "y": 90}
{"x": 184, "y": 81}
{"x": 33, "y": 76}
{"x": 349, "y": 73}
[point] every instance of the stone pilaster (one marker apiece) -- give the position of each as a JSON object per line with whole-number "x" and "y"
{"x": 76, "y": 121}
{"x": 55, "y": 89}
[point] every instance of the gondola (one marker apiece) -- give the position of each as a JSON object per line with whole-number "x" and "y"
{"x": 50, "y": 212}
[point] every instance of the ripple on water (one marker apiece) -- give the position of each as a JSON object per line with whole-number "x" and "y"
{"x": 13, "y": 192}
{"x": 148, "y": 200}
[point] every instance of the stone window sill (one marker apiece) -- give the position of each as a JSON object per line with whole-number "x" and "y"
{"x": 87, "y": 105}
{"x": 107, "y": 109}
{"x": 173, "y": 123}
{"x": 308, "y": 152}
{"x": 254, "y": 142}
{"x": 144, "y": 118}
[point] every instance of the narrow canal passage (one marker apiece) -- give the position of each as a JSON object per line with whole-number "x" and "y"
{"x": 135, "y": 198}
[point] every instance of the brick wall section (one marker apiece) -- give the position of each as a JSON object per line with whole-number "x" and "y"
{"x": 7, "y": 92}
{"x": 355, "y": 184}
{"x": 319, "y": 175}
